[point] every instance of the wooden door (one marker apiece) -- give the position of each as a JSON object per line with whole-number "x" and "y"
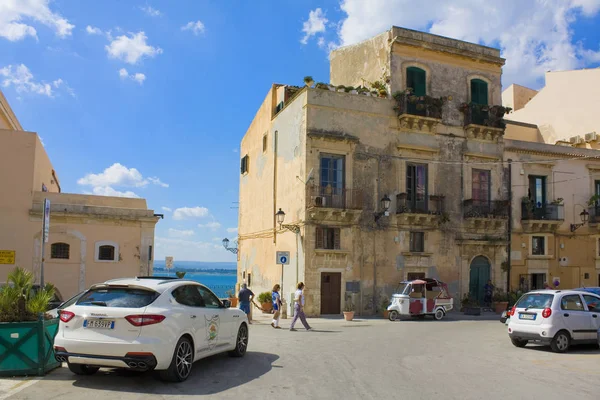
{"x": 479, "y": 276}
{"x": 331, "y": 292}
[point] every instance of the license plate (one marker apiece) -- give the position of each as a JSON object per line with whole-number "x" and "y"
{"x": 99, "y": 323}
{"x": 527, "y": 316}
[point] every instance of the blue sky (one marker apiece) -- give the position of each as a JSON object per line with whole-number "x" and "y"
{"x": 151, "y": 98}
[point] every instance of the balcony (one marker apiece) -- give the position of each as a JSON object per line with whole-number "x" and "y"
{"x": 541, "y": 218}
{"x": 594, "y": 215}
{"x": 484, "y": 122}
{"x": 485, "y": 214}
{"x": 419, "y": 113}
{"x": 333, "y": 204}
{"x": 425, "y": 213}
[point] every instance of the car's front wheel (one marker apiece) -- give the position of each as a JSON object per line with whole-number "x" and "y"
{"x": 81, "y": 369}
{"x": 181, "y": 364}
{"x": 393, "y": 315}
{"x": 241, "y": 342}
{"x": 561, "y": 342}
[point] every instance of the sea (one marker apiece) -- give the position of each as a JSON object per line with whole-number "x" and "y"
{"x": 219, "y": 277}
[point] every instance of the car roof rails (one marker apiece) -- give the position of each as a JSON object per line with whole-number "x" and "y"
{"x": 157, "y": 278}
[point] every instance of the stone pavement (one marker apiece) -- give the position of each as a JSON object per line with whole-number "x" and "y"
{"x": 457, "y": 358}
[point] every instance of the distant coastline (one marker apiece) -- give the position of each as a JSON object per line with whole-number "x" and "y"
{"x": 215, "y": 271}
{"x": 214, "y": 268}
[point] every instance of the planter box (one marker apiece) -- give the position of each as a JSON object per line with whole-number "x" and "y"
{"x": 500, "y": 306}
{"x": 26, "y": 348}
{"x": 472, "y": 311}
{"x": 233, "y": 301}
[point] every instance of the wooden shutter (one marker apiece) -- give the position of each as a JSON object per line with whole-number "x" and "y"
{"x": 336, "y": 239}
{"x": 319, "y": 238}
{"x": 416, "y": 78}
{"x": 479, "y": 92}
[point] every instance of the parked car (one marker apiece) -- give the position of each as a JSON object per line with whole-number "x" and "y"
{"x": 595, "y": 290}
{"x": 148, "y": 323}
{"x": 558, "y": 318}
{"x": 54, "y": 303}
{"x": 55, "y": 312}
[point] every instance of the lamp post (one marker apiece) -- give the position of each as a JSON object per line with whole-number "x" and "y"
{"x": 280, "y": 216}
{"x": 234, "y": 250}
{"x": 584, "y": 215}
{"x": 385, "y": 206}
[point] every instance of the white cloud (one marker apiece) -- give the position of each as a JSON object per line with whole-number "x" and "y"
{"x": 109, "y": 191}
{"x": 21, "y": 78}
{"x": 235, "y": 150}
{"x": 316, "y": 23}
{"x": 196, "y": 27}
{"x": 190, "y": 212}
{"x": 176, "y": 233}
{"x": 534, "y": 36}
{"x": 138, "y": 77}
{"x": 91, "y": 30}
{"x": 119, "y": 175}
{"x": 185, "y": 249}
{"x": 232, "y": 230}
{"x": 153, "y": 12}
{"x": 123, "y": 73}
{"x": 167, "y": 209}
{"x": 14, "y": 12}
{"x": 210, "y": 225}
{"x": 131, "y": 48}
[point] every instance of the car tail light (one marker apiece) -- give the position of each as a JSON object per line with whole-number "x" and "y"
{"x": 143, "y": 320}
{"x": 60, "y": 349}
{"x": 512, "y": 311}
{"x": 66, "y": 316}
{"x": 547, "y": 312}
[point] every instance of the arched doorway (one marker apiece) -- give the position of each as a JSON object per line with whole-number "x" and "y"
{"x": 478, "y": 277}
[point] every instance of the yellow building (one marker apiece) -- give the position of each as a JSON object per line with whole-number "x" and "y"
{"x": 91, "y": 238}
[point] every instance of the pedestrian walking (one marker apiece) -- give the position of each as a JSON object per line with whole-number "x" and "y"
{"x": 488, "y": 292}
{"x": 299, "y": 308}
{"x": 276, "y": 306}
{"x": 246, "y": 296}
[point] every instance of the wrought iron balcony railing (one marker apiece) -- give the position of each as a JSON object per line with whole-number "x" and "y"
{"x": 473, "y": 208}
{"x": 329, "y": 197}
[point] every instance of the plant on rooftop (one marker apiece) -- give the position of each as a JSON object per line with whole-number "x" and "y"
{"x": 483, "y": 114}
{"x": 308, "y": 80}
{"x": 322, "y": 85}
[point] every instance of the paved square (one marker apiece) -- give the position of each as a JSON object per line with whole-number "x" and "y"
{"x": 364, "y": 359}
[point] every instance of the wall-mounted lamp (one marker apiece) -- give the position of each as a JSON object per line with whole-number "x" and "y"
{"x": 234, "y": 250}
{"x": 281, "y": 217}
{"x": 385, "y": 206}
{"x": 584, "y": 215}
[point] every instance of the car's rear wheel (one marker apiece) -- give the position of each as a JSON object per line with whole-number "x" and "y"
{"x": 181, "y": 364}
{"x": 393, "y": 315}
{"x": 439, "y": 314}
{"x": 241, "y": 342}
{"x": 561, "y": 342}
{"x": 519, "y": 343}
{"x": 82, "y": 369}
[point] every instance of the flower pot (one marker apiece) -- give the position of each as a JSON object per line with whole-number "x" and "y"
{"x": 386, "y": 314}
{"x": 500, "y": 306}
{"x": 348, "y": 315}
{"x": 354, "y": 92}
{"x": 309, "y": 83}
{"x": 332, "y": 88}
{"x": 266, "y": 307}
{"x": 233, "y": 301}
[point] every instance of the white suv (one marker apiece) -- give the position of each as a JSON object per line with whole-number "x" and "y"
{"x": 557, "y": 318}
{"x": 146, "y": 324}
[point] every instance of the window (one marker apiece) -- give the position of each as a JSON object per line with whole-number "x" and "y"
{"x": 538, "y": 245}
{"x": 537, "y": 301}
{"x": 265, "y": 141}
{"x": 150, "y": 253}
{"x": 571, "y": 302}
{"x": 416, "y": 79}
{"x": 210, "y": 300}
{"x": 479, "y": 92}
{"x": 417, "y": 242}
{"x": 60, "y": 250}
{"x": 279, "y": 107}
{"x": 592, "y": 302}
{"x": 106, "y": 253}
{"x": 188, "y": 295}
{"x": 332, "y": 180}
{"x": 481, "y": 186}
{"x": 118, "y": 297}
{"x": 244, "y": 164}
{"x": 537, "y": 190}
{"x": 249, "y": 279}
{"x": 328, "y": 238}
{"x": 416, "y": 187}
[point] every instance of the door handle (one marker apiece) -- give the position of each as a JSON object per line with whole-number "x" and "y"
{"x": 192, "y": 316}
{"x": 566, "y": 315}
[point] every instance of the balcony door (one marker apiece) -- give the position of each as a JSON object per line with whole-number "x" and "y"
{"x": 537, "y": 191}
{"x": 480, "y": 192}
{"x": 416, "y": 187}
{"x": 332, "y": 179}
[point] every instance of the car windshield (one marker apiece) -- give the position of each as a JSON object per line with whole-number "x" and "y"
{"x": 403, "y": 288}
{"x": 118, "y": 297}
{"x": 535, "y": 301}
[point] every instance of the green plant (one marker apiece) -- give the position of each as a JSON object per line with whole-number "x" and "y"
{"x": 557, "y": 201}
{"x": 264, "y": 297}
{"x": 499, "y": 296}
{"x": 385, "y": 302}
{"x": 469, "y": 301}
{"x": 349, "y": 88}
{"x": 504, "y": 266}
{"x": 19, "y": 302}
{"x": 444, "y": 218}
{"x": 340, "y": 87}
{"x": 378, "y": 85}
{"x": 349, "y": 307}
{"x": 322, "y": 85}
{"x": 230, "y": 293}
{"x": 308, "y": 79}
{"x": 180, "y": 274}
{"x": 594, "y": 200}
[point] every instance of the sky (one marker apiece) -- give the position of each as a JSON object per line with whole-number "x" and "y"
{"x": 151, "y": 98}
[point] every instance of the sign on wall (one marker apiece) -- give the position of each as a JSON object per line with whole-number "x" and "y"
{"x": 46, "y": 219}
{"x": 168, "y": 262}
{"x": 283, "y": 257}
{"x": 7, "y": 256}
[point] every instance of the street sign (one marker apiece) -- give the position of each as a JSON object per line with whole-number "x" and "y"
{"x": 7, "y": 256}
{"x": 46, "y": 223}
{"x": 168, "y": 262}
{"x": 283, "y": 257}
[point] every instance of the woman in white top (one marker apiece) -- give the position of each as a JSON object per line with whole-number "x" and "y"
{"x": 299, "y": 308}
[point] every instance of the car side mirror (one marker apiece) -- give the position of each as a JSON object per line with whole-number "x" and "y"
{"x": 226, "y": 303}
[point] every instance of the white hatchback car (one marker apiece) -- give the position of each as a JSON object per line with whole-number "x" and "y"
{"x": 148, "y": 323}
{"x": 557, "y": 318}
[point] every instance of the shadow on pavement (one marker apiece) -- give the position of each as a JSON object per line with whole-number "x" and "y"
{"x": 209, "y": 376}
{"x": 576, "y": 349}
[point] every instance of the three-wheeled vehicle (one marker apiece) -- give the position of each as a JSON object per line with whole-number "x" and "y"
{"x": 419, "y": 298}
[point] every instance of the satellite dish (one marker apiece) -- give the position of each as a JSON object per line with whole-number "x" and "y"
{"x": 310, "y": 175}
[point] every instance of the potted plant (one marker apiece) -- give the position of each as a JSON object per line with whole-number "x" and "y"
{"x": 308, "y": 81}
{"x": 470, "y": 305}
{"x": 180, "y": 274}
{"x": 266, "y": 302}
{"x": 341, "y": 88}
{"x": 349, "y": 311}
{"x": 500, "y": 299}
{"x": 385, "y": 302}
{"x": 557, "y": 201}
{"x": 26, "y": 331}
{"x": 233, "y": 300}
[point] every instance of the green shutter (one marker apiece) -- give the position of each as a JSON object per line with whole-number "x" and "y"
{"x": 479, "y": 92}
{"x": 416, "y": 79}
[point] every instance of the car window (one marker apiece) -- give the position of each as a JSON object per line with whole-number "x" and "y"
{"x": 571, "y": 302}
{"x": 210, "y": 300}
{"x": 117, "y": 297}
{"x": 535, "y": 301}
{"x": 188, "y": 295}
{"x": 71, "y": 301}
{"x": 593, "y": 302}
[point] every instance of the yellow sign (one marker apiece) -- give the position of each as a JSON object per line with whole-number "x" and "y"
{"x": 7, "y": 256}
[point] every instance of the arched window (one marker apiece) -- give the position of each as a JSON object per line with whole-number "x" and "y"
{"x": 106, "y": 253}
{"x": 60, "y": 250}
{"x": 479, "y": 92}
{"x": 416, "y": 79}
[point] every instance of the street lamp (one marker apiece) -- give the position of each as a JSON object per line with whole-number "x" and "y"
{"x": 584, "y": 215}
{"x": 385, "y": 206}
{"x": 281, "y": 217}
{"x": 234, "y": 250}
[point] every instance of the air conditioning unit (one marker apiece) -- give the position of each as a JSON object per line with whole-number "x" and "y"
{"x": 319, "y": 201}
{"x": 576, "y": 139}
{"x": 592, "y": 136}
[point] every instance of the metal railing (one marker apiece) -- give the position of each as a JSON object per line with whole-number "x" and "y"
{"x": 425, "y": 106}
{"x": 594, "y": 214}
{"x": 478, "y": 114}
{"x": 551, "y": 212}
{"x": 473, "y": 208}
{"x": 329, "y": 197}
{"x": 432, "y": 204}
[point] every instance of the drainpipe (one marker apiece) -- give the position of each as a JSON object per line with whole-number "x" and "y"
{"x": 509, "y": 228}
{"x": 275, "y": 189}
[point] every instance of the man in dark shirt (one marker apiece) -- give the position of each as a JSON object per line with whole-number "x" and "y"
{"x": 245, "y": 296}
